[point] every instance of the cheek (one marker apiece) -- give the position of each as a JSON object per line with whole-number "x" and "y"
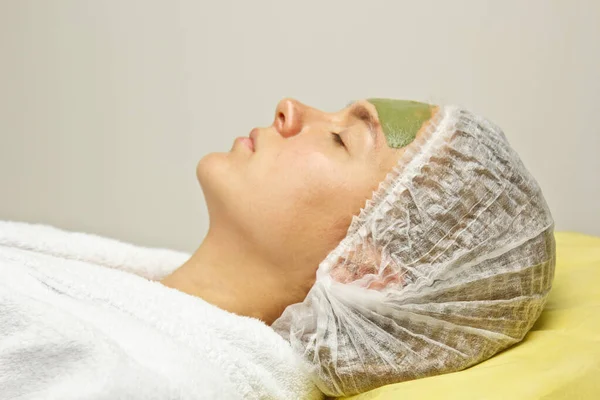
{"x": 298, "y": 185}
{"x": 315, "y": 176}
{"x": 322, "y": 191}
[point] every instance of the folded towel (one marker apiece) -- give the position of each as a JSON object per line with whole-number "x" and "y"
{"x": 82, "y": 317}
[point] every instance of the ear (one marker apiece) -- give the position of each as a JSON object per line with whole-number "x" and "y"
{"x": 367, "y": 267}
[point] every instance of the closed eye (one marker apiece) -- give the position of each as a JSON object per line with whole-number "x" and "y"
{"x": 338, "y": 139}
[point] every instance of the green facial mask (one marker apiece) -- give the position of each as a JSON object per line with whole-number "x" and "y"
{"x": 401, "y": 119}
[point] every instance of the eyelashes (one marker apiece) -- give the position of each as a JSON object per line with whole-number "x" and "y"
{"x": 338, "y": 139}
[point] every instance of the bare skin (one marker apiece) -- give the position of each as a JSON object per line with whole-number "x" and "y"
{"x": 279, "y": 202}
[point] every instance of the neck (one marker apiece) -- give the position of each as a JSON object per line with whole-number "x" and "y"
{"x": 225, "y": 272}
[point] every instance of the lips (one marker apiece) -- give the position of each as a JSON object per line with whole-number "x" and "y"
{"x": 254, "y": 137}
{"x": 247, "y": 142}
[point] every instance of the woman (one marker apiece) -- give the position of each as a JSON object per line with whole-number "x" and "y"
{"x": 448, "y": 262}
{"x": 283, "y": 198}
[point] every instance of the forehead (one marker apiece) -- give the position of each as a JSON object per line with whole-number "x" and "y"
{"x": 401, "y": 120}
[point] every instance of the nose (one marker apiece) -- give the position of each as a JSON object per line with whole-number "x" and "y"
{"x": 288, "y": 117}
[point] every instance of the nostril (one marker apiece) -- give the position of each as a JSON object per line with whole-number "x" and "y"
{"x": 280, "y": 122}
{"x": 287, "y": 118}
{"x": 281, "y": 119}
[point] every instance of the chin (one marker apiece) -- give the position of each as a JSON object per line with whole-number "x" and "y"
{"x": 217, "y": 180}
{"x": 210, "y": 168}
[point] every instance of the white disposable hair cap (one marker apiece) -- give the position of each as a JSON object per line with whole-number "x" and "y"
{"x": 447, "y": 264}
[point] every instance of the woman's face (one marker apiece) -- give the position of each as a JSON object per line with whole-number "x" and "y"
{"x": 291, "y": 189}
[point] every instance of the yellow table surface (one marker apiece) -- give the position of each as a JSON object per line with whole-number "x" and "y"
{"x": 558, "y": 359}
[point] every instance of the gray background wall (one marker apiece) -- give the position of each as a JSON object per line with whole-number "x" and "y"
{"x": 106, "y": 106}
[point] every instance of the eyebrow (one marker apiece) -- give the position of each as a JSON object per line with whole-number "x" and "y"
{"x": 362, "y": 113}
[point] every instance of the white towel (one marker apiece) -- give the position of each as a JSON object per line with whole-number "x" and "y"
{"x": 82, "y": 317}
